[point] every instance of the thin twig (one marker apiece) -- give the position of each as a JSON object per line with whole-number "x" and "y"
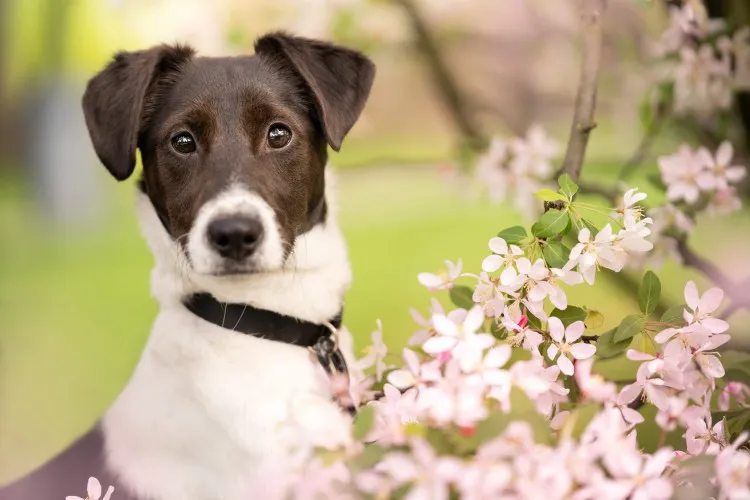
{"x": 647, "y": 141}
{"x": 448, "y": 87}
{"x": 585, "y": 104}
{"x": 737, "y": 292}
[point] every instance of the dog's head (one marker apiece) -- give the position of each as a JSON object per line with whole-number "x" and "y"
{"x": 233, "y": 149}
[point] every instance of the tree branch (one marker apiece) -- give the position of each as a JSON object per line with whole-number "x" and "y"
{"x": 737, "y": 292}
{"x": 448, "y": 87}
{"x": 585, "y": 104}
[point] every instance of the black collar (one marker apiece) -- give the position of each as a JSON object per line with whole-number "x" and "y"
{"x": 247, "y": 319}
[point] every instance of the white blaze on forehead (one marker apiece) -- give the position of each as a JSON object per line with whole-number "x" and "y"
{"x": 237, "y": 200}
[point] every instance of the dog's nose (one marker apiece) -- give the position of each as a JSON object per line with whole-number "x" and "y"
{"x": 235, "y": 237}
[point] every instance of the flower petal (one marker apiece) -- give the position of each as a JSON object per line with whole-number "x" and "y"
{"x": 556, "y": 329}
{"x": 582, "y": 350}
{"x": 94, "y": 489}
{"x": 444, "y": 326}
{"x": 402, "y": 379}
{"x": 474, "y": 320}
{"x": 711, "y": 300}
{"x": 552, "y": 351}
{"x": 437, "y": 345}
{"x": 691, "y": 295}
{"x": 574, "y": 331}
{"x": 566, "y": 366}
{"x": 634, "y": 355}
{"x": 492, "y": 263}
{"x": 498, "y": 246}
{"x": 715, "y": 325}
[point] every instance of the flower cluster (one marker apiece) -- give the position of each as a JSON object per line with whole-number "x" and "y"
{"x": 703, "y": 64}
{"x": 517, "y": 168}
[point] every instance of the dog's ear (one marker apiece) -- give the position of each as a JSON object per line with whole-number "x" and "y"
{"x": 114, "y": 102}
{"x": 339, "y": 79}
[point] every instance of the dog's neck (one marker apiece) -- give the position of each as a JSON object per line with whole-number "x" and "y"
{"x": 310, "y": 286}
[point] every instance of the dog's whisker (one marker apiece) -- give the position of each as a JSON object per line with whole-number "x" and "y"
{"x": 240, "y": 318}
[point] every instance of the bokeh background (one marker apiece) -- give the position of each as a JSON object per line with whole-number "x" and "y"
{"x": 75, "y": 307}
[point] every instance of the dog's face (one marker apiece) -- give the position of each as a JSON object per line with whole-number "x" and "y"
{"x": 234, "y": 149}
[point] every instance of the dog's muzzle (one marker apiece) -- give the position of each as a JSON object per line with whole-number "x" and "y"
{"x": 235, "y": 237}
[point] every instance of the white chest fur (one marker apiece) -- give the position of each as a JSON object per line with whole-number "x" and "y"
{"x": 206, "y": 407}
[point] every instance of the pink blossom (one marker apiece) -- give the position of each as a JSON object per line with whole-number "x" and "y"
{"x": 519, "y": 330}
{"x": 392, "y": 412}
{"x": 429, "y": 474}
{"x": 534, "y": 154}
{"x": 701, "y": 438}
{"x": 442, "y": 281}
{"x": 722, "y": 172}
{"x": 733, "y": 471}
{"x": 414, "y": 374}
{"x": 565, "y": 344}
{"x": 94, "y": 491}
{"x": 593, "y": 386}
{"x": 703, "y": 306}
{"x": 644, "y": 481}
{"x": 680, "y": 173}
{"x": 461, "y": 339}
{"x": 739, "y": 391}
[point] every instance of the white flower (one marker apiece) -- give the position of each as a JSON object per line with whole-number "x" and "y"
{"x": 429, "y": 473}
{"x": 534, "y": 154}
{"x": 503, "y": 256}
{"x": 392, "y": 412}
{"x": 702, "y": 82}
{"x": 414, "y": 374}
{"x": 94, "y": 491}
{"x": 643, "y": 481}
{"x": 420, "y": 336}
{"x": 565, "y": 344}
{"x": 519, "y": 332}
{"x": 630, "y": 212}
{"x": 589, "y": 254}
{"x": 443, "y": 281}
{"x": 376, "y": 353}
{"x": 488, "y": 295}
{"x": 460, "y": 340}
{"x": 703, "y": 307}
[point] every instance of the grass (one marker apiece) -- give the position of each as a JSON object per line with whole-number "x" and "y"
{"x": 76, "y": 311}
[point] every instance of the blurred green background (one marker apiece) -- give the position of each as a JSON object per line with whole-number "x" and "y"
{"x": 75, "y": 307}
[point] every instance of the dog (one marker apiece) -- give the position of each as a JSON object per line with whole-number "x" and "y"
{"x": 236, "y": 203}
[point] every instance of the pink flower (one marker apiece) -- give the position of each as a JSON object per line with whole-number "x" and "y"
{"x": 429, "y": 474}
{"x": 443, "y": 281}
{"x": 680, "y": 173}
{"x": 564, "y": 344}
{"x": 722, "y": 172}
{"x": 738, "y": 390}
{"x": 534, "y": 154}
{"x": 701, "y": 438}
{"x": 94, "y": 491}
{"x": 594, "y": 386}
{"x": 703, "y": 307}
{"x": 392, "y": 412}
{"x": 519, "y": 331}
{"x": 643, "y": 481}
{"x": 420, "y": 337}
{"x": 733, "y": 470}
{"x": 414, "y": 374}
{"x": 460, "y": 339}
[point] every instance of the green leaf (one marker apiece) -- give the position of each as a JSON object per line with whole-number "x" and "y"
{"x": 462, "y": 296}
{"x": 569, "y": 315}
{"x": 371, "y": 455}
{"x": 363, "y": 422}
{"x": 552, "y": 223}
{"x": 513, "y": 235}
{"x": 630, "y": 327}
{"x": 555, "y": 254}
{"x": 673, "y": 316}
{"x": 534, "y": 322}
{"x": 649, "y": 292}
{"x": 606, "y": 347}
{"x": 588, "y": 225}
{"x": 547, "y": 194}
{"x": 567, "y": 186}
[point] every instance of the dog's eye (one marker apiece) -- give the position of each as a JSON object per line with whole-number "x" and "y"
{"x": 183, "y": 143}
{"x": 279, "y": 135}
